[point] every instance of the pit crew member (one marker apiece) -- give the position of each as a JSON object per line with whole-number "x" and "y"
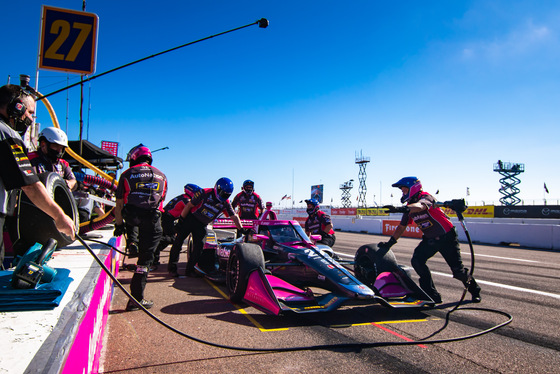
{"x": 249, "y": 202}
{"x": 269, "y": 213}
{"x": 140, "y": 195}
{"x": 171, "y": 212}
{"x": 439, "y": 235}
{"x": 48, "y": 157}
{"x": 319, "y": 223}
{"x": 17, "y": 107}
{"x": 205, "y": 206}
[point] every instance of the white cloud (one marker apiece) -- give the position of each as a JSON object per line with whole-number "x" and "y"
{"x": 528, "y": 39}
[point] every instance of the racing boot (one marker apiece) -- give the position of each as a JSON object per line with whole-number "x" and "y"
{"x": 436, "y": 297}
{"x": 474, "y": 290}
{"x": 131, "y": 305}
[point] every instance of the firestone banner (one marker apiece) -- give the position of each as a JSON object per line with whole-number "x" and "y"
{"x": 412, "y": 231}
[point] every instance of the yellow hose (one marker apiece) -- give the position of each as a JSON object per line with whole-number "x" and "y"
{"x": 73, "y": 154}
{"x": 78, "y": 158}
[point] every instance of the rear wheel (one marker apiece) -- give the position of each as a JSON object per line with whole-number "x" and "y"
{"x": 370, "y": 261}
{"x": 243, "y": 259}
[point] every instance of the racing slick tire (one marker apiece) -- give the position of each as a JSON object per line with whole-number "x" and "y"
{"x": 35, "y": 226}
{"x": 190, "y": 246}
{"x": 244, "y": 258}
{"x": 370, "y": 261}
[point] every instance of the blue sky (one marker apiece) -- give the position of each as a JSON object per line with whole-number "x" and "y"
{"x": 440, "y": 90}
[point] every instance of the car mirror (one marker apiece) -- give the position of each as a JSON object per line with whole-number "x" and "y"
{"x": 260, "y": 237}
{"x": 316, "y": 238}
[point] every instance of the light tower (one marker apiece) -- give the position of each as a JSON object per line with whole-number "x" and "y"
{"x": 362, "y": 161}
{"x": 346, "y": 187}
{"x": 509, "y": 171}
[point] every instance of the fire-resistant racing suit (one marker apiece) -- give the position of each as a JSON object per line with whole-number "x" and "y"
{"x": 143, "y": 188}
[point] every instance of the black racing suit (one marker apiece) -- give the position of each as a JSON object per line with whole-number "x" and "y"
{"x": 143, "y": 188}
{"x": 15, "y": 171}
{"x": 171, "y": 212}
{"x": 206, "y": 208}
{"x": 250, "y": 205}
{"x": 439, "y": 235}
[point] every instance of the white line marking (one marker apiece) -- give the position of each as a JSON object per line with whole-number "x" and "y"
{"x": 514, "y": 288}
{"x": 503, "y": 258}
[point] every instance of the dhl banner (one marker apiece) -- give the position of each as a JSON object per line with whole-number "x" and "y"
{"x": 485, "y": 211}
{"x": 412, "y": 231}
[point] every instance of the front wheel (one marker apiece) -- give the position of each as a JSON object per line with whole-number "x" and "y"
{"x": 244, "y": 258}
{"x": 370, "y": 261}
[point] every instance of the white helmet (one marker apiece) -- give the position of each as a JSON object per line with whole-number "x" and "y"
{"x": 54, "y": 135}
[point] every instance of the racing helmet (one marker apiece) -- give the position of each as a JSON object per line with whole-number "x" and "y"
{"x": 269, "y": 204}
{"x": 223, "y": 189}
{"x": 414, "y": 188}
{"x": 54, "y": 135}
{"x": 191, "y": 189}
{"x": 139, "y": 154}
{"x": 315, "y": 204}
{"x": 248, "y": 183}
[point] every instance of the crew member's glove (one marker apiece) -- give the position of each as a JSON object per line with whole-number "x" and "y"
{"x": 387, "y": 245}
{"x": 119, "y": 230}
{"x": 392, "y": 209}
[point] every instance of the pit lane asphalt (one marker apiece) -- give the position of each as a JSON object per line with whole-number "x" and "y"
{"x": 520, "y": 281}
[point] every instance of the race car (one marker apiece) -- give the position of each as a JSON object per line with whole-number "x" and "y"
{"x": 279, "y": 269}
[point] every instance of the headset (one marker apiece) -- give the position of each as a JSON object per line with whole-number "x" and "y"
{"x": 16, "y": 108}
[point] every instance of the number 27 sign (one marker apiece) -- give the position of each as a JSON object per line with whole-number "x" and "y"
{"x": 68, "y": 40}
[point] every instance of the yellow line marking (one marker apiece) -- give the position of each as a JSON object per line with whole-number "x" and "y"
{"x": 379, "y": 323}
{"x": 243, "y": 311}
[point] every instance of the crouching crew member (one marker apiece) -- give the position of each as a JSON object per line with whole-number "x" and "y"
{"x": 140, "y": 196}
{"x": 171, "y": 213}
{"x": 439, "y": 235}
{"x": 319, "y": 223}
{"x": 205, "y": 206}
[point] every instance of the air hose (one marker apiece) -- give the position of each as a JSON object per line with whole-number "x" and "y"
{"x": 356, "y": 347}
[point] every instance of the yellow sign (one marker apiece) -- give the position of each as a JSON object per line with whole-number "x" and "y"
{"x": 485, "y": 211}
{"x": 371, "y": 212}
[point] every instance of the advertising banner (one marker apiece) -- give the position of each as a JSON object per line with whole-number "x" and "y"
{"x": 317, "y": 192}
{"x": 527, "y": 211}
{"x": 343, "y": 211}
{"x": 371, "y": 212}
{"x": 412, "y": 231}
{"x": 484, "y": 211}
